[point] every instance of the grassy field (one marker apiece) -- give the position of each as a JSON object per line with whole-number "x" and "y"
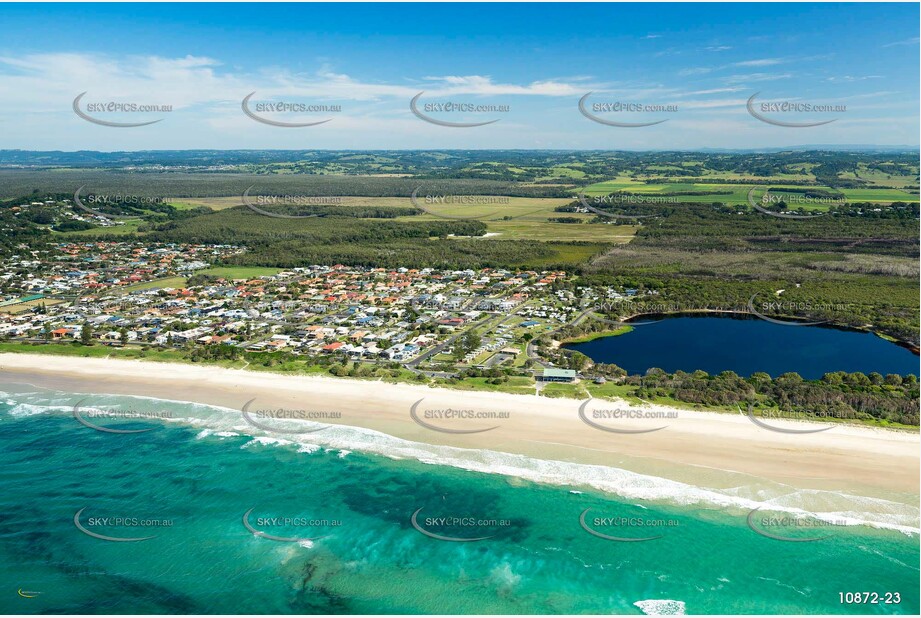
{"x": 738, "y": 194}
{"x": 547, "y": 231}
{"x": 529, "y": 217}
{"x": 728, "y": 193}
{"x": 239, "y": 272}
{"x": 130, "y": 227}
{"x": 184, "y": 204}
{"x": 29, "y": 305}
{"x": 167, "y": 282}
{"x": 881, "y": 195}
{"x": 214, "y": 203}
{"x": 220, "y": 203}
{"x": 567, "y": 254}
{"x": 880, "y": 178}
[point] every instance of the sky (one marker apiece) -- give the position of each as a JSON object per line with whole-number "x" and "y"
{"x": 690, "y": 68}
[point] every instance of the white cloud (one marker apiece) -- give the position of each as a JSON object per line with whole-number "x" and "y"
{"x": 694, "y": 71}
{"x": 481, "y": 85}
{"x": 755, "y": 77}
{"x": 913, "y": 41}
{"x": 761, "y": 62}
{"x": 852, "y": 78}
{"x": 715, "y": 91}
{"x": 49, "y": 80}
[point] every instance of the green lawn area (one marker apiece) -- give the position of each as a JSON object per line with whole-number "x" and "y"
{"x": 522, "y": 358}
{"x": 239, "y": 272}
{"x": 167, "y": 282}
{"x": 29, "y": 305}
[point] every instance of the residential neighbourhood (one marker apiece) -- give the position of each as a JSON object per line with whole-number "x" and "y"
{"x": 121, "y": 293}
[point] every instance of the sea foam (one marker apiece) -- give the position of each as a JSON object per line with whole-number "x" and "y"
{"x": 661, "y": 607}
{"x": 843, "y": 509}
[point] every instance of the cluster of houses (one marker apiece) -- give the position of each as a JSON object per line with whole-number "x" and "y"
{"x": 96, "y": 268}
{"x": 359, "y": 313}
{"x": 64, "y": 210}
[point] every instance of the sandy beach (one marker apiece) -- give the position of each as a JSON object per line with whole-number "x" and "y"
{"x": 691, "y": 445}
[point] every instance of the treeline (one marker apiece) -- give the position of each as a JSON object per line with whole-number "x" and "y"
{"x": 356, "y": 242}
{"x": 346, "y": 212}
{"x": 839, "y": 395}
{"x": 707, "y": 227}
{"x": 888, "y": 305}
{"x": 179, "y": 184}
{"x": 240, "y": 225}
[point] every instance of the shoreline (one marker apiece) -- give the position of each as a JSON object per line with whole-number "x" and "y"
{"x": 693, "y": 445}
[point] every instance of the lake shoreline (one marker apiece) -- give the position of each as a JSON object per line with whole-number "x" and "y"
{"x": 845, "y": 353}
{"x": 745, "y": 315}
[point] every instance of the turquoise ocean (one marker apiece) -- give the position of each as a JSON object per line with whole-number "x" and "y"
{"x": 346, "y": 520}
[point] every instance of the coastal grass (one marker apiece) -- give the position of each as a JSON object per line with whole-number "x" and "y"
{"x": 519, "y": 385}
{"x": 76, "y": 349}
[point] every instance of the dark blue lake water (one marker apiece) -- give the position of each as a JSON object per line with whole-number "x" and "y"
{"x": 747, "y": 345}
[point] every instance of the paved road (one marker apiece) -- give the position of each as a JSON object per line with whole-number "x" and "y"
{"x": 437, "y": 349}
{"x": 411, "y": 365}
{"x": 532, "y": 353}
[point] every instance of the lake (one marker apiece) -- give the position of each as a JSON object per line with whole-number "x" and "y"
{"x": 746, "y": 345}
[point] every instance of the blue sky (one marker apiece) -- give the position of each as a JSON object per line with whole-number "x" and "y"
{"x": 701, "y": 61}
